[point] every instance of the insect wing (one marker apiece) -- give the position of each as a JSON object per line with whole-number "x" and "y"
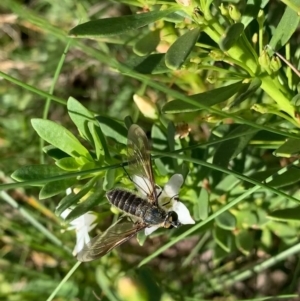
{"x": 113, "y": 237}
{"x": 139, "y": 161}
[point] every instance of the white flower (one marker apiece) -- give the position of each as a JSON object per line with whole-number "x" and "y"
{"x": 168, "y": 199}
{"x": 82, "y": 225}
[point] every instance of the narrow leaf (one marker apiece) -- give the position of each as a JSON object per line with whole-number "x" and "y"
{"x": 181, "y": 49}
{"x": 231, "y": 35}
{"x": 248, "y": 91}
{"x": 113, "y": 129}
{"x": 246, "y": 219}
{"x": 251, "y": 10}
{"x": 223, "y": 238}
{"x": 288, "y": 149}
{"x": 109, "y": 179}
{"x": 229, "y": 149}
{"x": 100, "y": 142}
{"x": 81, "y": 117}
{"x": 60, "y": 137}
{"x": 36, "y": 172}
{"x": 54, "y": 152}
{"x": 285, "y": 28}
{"x": 291, "y": 176}
{"x": 226, "y": 221}
{"x": 208, "y": 98}
{"x": 201, "y": 205}
{"x": 113, "y": 26}
{"x": 288, "y": 214}
{"x": 147, "y": 43}
{"x": 152, "y": 64}
{"x": 68, "y": 164}
{"x": 72, "y": 199}
{"x": 55, "y": 187}
{"x": 244, "y": 241}
{"x": 93, "y": 200}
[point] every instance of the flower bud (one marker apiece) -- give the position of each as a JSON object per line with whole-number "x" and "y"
{"x": 264, "y": 61}
{"x": 217, "y": 55}
{"x": 275, "y": 64}
{"x": 234, "y": 13}
{"x": 184, "y": 2}
{"x": 224, "y": 10}
{"x": 146, "y": 106}
{"x": 261, "y": 18}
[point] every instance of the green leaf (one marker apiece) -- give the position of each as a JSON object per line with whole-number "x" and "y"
{"x": 93, "y": 200}
{"x": 288, "y": 149}
{"x": 113, "y": 129}
{"x": 171, "y": 136}
{"x": 219, "y": 253}
{"x": 54, "y": 152}
{"x": 248, "y": 90}
{"x": 162, "y": 170}
{"x": 231, "y": 35}
{"x": 141, "y": 238}
{"x": 229, "y": 149}
{"x": 252, "y": 9}
{"x": 60, "y": 137}
{"x": 113, "y": 26}
{"x": 262, "y": 218}
{"x": 148, "y": 43}
{"x": 291, "y": 176}
{"x": 244, "y": 241}
{"x": 158, "y": 138}
{"x": 98, "y": 141}
{"x": 208, "y": 98}
{"x": 152, "y": 64}
{"x": 181, "y": 49}
{"x": 55, "y": 187}
{"x": 109, "y": 180}
{"x": 68, "y": 164}
{"x": 36, "y": 172}
{"x": 128, "y": 122}
{"x": 288, "y": 214}
{"x": 285, "y": 28}
{"x": 72, "y": 199}
{"x": 227, "y": 183}
{"x": 223, "y": 238}
{"x": 226, "y": 221}
{"x": 81, "y": 117}
{"x": 267, "y": 238}
{"x": 246, "y": 219}
{"x": 201, "y": 205}
{"x": 282, "y": 230}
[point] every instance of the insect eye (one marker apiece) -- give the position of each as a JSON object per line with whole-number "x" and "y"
{"x": 173, "y": 216}
{"x": 171, "y": 220}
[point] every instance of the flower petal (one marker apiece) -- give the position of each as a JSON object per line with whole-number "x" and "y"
{"x": 183, "y": 212}
{"x": 79, "y": 243}
{"x": 65, "y": 213}
{"x": 142, "y": 184}
{"x": 151, "y": 229}
{"x": 173, "y": 186}
{"x": 89, "y": 219}
{"x": 68, "y": 190}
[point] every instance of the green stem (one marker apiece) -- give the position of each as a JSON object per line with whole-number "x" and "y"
{"x": 66, "y": 278}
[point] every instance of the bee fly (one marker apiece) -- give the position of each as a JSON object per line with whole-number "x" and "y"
{"x": 145, "y": 211}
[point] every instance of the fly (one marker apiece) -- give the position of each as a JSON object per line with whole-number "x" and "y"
{"x": 144, "y": 211}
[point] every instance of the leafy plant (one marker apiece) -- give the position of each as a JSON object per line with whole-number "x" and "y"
{"x": 218, "y": 67}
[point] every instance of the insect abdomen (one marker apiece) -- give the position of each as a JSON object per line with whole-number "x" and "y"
{"x": 128, "y": 202}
